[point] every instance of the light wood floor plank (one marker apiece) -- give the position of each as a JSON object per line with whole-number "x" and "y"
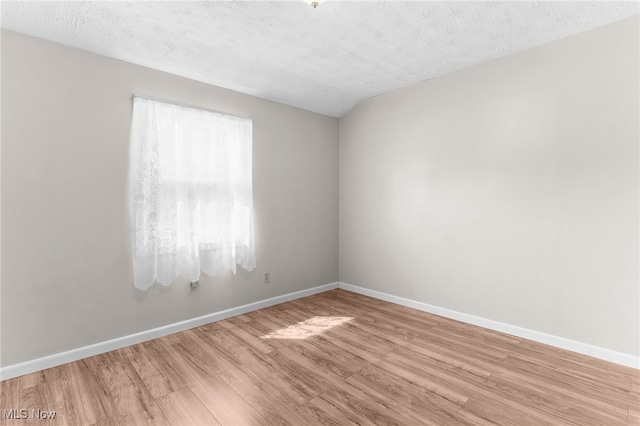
{"x": 379, "y": 411}
{"x": 10, "y": 396}
{"x": 434, "y": 381}
{"x": 182, "y": 407}
{"x": 50, "y": 396}
{"x": 264, "y": 327}
{"x": 336, "y": 358}
{"x": 616, "y": 394}
{"x": 111, "y": 421}
{"x": 151, "y": 362}
{"x": 428, "y": 406}
{"x": 127, "y": 390}
{"x": 244, "y": 334}
{"x": 202, "y": 352}
{"x": 84, "y": 395}
{"x": 448, "y": 364}
{"x": 307, "y": 382}
{"x": 265, "y": 397}
{"x": 534, "y": 348}
{"x": 489, "y": 409}
{"x": 226, "y": 405}
{"x": 566, "y": 405}
{"x": 322, "y": 412}
{"x": 581, "y": 367}
{"x": 390, "y": 321}
{"x": 223, "y": 340}
{"x": 324, "y": 358}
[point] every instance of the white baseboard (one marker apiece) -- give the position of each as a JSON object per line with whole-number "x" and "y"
{"x": 560, "y": 342}
{"x": 43, "y": 363}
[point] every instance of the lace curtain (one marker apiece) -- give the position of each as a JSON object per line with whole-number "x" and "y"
{"x": 192, "y": 192}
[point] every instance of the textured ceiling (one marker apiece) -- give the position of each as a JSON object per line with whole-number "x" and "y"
{"x": 326, "y": 59}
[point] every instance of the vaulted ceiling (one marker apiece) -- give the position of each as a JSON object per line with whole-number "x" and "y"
{"x": 326, "y": 59}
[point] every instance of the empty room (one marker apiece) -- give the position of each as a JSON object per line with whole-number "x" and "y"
{"x": 320, "y": 213}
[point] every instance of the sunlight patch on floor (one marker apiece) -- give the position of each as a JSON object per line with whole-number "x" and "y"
{"x": 311, "y": 327}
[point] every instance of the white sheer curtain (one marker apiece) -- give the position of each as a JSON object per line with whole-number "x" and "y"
{"x": 192, "y": 192}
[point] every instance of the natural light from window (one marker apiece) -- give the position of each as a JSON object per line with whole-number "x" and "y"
{"x": 308, "y": 328}
{"x": 192, "y": 192}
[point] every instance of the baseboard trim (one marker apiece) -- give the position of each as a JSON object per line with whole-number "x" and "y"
{"x": 43, "y": 363}
{"x": 560, "y": 342}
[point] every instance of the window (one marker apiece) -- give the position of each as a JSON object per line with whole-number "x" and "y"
{"x": 192, "y": 192}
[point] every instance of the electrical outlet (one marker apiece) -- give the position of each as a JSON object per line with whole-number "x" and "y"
{"x": 195, "y": 284}
{"x": 267, "y": 277}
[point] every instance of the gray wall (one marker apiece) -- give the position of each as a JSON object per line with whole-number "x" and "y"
{"x": 66, "y": 268}
{"x": 508, "y": 190}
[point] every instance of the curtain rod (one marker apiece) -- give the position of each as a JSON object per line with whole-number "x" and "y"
{"x": 151, "y": 98}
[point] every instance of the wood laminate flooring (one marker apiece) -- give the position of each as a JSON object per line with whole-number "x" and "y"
{"x": 335, "y": 358}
